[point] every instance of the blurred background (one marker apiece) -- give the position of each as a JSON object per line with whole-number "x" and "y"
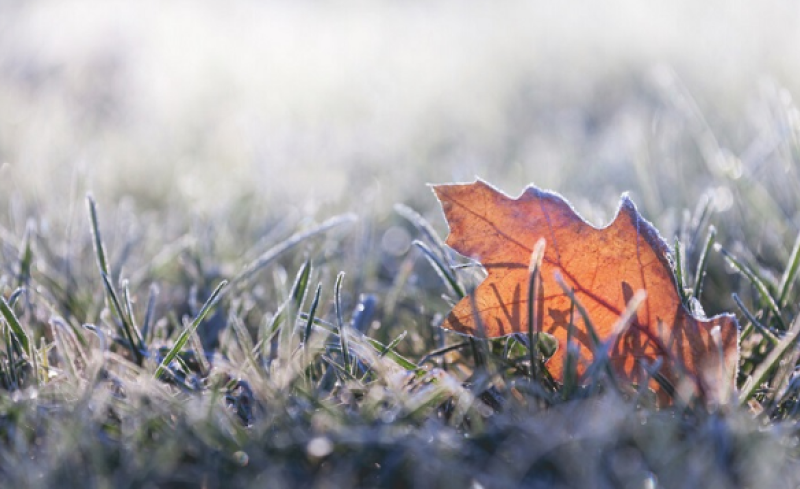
{"x": 230, "y": 111}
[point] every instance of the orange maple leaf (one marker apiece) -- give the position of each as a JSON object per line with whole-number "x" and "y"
{"x": 604, "y": 267}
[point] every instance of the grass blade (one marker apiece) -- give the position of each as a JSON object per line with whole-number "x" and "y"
{"x": 14, "y": 297}
{"x": 680, "y": 270}
{"x": 754, "y": 322}
{"x": 270, "y": 334}
{"x": 393, "y": 344}
{"x": 337, "y": 302}
{"x": 422, "y": 224}
{"x": 184, "y": 336}
{"x": 291, "y": 311}
{"x": 26, "y": 256}
{"x": 441, "y": 351}
{"x": 128, "y": 304}
{"x": 133, "y": 339}
{"x": 789, "y": 274}
{"x": 571, "y": 358}
{"x": 148, "y": 315}
{"x": 761, "y": 373}
{"x": 757, "y": 282}
{"x": 300, "y": 286}
{"x": 702, "y": 262}
{"x": 534, "y": 291}
{"x": 444, "y": 271}
{"x": 478, "y": 342}
{"x": 312, "y": 312}
{"x": 388, "y": 351}
{"x": 99, "y": 249}
{"x": 15, "y": 326}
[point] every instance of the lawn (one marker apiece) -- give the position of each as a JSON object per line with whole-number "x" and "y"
{"x": 222, "y": 263}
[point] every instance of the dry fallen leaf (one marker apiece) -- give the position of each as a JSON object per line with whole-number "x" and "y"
{"x": 605, "y": 268}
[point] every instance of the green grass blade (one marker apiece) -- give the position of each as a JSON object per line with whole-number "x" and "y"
{"x": 343, "y": 372}
{"x": 26, "y": 257}
{"x": 127, "y": 330}
{"x": 12, "y": 350}
{"x": 702, "y": 263}
{"x": 762, "y": 288}
{"x": 15, "y": 326}
{"x": 300, "y": 286}
{"x": 388, "y": 351}
{"x": 755, "y": 322}
{"x": 772, "y": 361}
{"x": 393, "y": 344}
{"x": 441, "y": 351}
{"x": 337, "y": 301}
{"x": 148, "y": 315}
{"x": 422, "y": 224}
{"x": 477, "y": 342}
{"x": 99, "y": 248}
{"x": 789, "y": 274}
{"x": 680, "y": 275}
{"x": 128, "y": 304}
{"x": 113, "y": 300}
{"x": 14, "y": 297}
{"x": 291, "y": 309}
{"x": 444, "y": 271}
{"x": 571, "y": 358}
{"x": 270, "y": 334}
{"x": 312, "y": 312}
{"x": 184, "y": 336}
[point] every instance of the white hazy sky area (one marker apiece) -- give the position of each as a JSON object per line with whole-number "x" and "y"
{"x": 318, "y": 101}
